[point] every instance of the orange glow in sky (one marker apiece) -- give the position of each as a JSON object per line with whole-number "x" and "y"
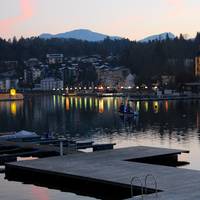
{"x": 26, "y": 12}
{"x": 133, "y": 19}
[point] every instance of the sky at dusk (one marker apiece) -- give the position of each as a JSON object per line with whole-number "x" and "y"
{"x": 133, "y": 19}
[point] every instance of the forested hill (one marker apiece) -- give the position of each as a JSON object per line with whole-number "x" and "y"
{"x": 144, "y": 59}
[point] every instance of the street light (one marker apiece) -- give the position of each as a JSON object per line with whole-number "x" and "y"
{"x": 101, "y": 88}
{"x": 12, "y": 92}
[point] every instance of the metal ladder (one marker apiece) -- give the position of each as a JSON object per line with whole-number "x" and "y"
{"x": 144, "y": 189}
{"x": 155, "y": 184}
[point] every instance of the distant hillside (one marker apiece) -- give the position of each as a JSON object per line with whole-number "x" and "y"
{"x": 162, "y": 36}
{"x": 80, "y": 34}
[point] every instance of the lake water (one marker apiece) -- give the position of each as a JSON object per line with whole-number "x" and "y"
{"x": 171, "y": 124}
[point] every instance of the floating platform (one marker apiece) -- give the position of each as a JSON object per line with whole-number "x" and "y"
{"x": 8, "y": 97}
{"x": 107, "y": 174}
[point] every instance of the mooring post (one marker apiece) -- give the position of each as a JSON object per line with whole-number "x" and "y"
{"x": 61, "y": 145}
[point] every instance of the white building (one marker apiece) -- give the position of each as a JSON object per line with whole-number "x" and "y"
{"x": 7, "y": 84}
{"x": 55, "y": 58}
{"x": 112, "y": 77}
{"x": 130, "y": 81}
{"x": 36, "y": 73}
{"x": 48, "y": 84}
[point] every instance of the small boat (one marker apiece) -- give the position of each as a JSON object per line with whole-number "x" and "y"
{"x": 19, "y": 136}
{"x": 133, "y": 113}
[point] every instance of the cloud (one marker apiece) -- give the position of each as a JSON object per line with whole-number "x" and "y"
{"x": 26, "y": 12}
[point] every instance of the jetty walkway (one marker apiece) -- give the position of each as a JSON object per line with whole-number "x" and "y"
{"x": 113, "y": 169}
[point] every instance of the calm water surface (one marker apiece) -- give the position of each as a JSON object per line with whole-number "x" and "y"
{"x": 171, "y": 124}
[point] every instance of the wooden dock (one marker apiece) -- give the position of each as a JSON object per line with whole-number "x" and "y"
{"x": 116, "y": 168}
{"x": 10, "y": 151}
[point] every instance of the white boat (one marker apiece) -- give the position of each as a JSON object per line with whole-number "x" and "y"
{"x": 19, "y": 135}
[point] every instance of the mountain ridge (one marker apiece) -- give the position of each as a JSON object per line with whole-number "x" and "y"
{"x": 91, "y": 36}
{"x": 159, "y": 37}
{"x": 80, "y": 34}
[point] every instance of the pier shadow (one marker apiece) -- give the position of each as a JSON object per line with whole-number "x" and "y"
{"x": 164, "y": 160}
{"x": 77, "y": 185}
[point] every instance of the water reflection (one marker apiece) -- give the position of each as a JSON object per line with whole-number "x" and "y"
{"x": 63, "y": 112}
{"x": 13, "y": 108}
{"x": 67, "y": 104}
{"x": 146, "y": 106}
{"x": 101, "y": 106}
{"x": 166, "y": 106}
{"x": 156, "y": 106}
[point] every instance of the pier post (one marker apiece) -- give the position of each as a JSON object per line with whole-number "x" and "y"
{"x": 61, "y": 146}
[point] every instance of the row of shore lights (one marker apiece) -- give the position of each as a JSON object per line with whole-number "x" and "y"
{"x": 101, "y": 88}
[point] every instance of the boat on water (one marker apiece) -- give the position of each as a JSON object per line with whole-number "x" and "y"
{"x": 21, "y": 135}
{"x": 127, "y": 110}
{"x": 131, "y": 113}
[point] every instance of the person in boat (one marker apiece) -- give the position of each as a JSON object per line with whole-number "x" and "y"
{"x": 121, "y": 108}
{"x": 128, "y": 108}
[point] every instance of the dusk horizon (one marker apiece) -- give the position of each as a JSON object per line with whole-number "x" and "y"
{"x": 128, "y": 19}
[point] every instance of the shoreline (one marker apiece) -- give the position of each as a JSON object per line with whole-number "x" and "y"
{"x": 9, "y": 97}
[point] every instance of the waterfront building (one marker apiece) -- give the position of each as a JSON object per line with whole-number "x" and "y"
{"x": 130, "y": 81}
{"x": 7, "y": 66}
{"x": 55, "y": 58}
{"x": 36, "y": 73}
{"x": 32, "y": 74}
{"x": 197, "y": 65}
{"x": 28, "y": 78}
{"x": 113, "y": 77}
{"x": 32, "y": 62}
{"x": 6, "y": 84}
{"x": 69, "y": 75}
{"x": 50, "y": 83}
{"x": 167, "y": 80}
{"x": 189, "y": 88}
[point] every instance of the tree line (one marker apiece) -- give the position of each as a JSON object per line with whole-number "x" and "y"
{"x": 147, "y": 60}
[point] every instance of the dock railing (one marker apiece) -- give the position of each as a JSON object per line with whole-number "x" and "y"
{"x": 132, "y": 184}
{"x": 148, "y": 176}
{"x": 144, "y": 187}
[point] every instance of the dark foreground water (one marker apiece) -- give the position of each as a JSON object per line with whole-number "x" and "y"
{"x": 171, "y": 124}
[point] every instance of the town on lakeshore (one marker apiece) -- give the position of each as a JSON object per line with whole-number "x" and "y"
{"x": 94, "y": 75}
{"x": 99, "y": 100}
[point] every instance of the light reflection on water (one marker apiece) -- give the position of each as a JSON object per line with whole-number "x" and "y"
{"x": 170, "y": 124}
{"x": 18, "y": 191}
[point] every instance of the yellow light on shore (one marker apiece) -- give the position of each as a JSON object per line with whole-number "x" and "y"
{"x": 12, "y": 92}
